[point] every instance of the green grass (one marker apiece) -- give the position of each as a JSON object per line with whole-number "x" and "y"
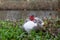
{"x": 12, "y": 31}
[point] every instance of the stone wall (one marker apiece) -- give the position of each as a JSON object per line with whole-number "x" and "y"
{"x": 18, "y": 14}
{"x": 29, "y": 4}
{"x": 16, "y": 9}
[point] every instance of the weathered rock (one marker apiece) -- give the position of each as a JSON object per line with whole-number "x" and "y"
{"x": 28, "y": 4}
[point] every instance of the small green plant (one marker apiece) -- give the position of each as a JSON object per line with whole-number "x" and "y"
{"x": 12, "y": 31}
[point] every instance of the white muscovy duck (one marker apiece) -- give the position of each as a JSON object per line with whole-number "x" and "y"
{"x": 28, "y": 26}
{"x": 31, "y": 23}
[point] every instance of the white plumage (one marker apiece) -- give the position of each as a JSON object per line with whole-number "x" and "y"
{"x": 39, "y": 21}
{"x": 29, "y": 25}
